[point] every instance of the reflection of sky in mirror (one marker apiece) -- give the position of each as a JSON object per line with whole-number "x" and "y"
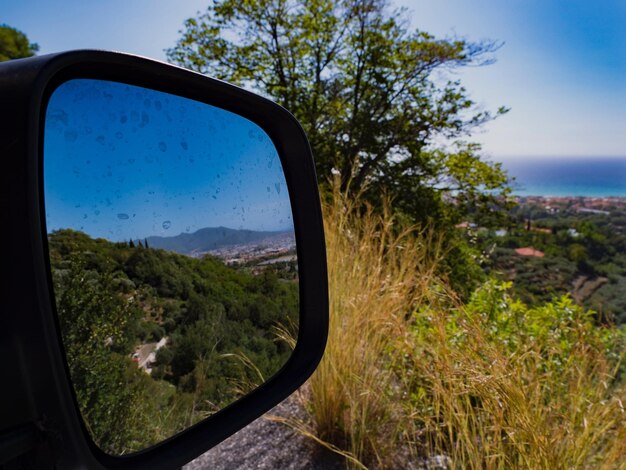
{"x": 125, "y": 162}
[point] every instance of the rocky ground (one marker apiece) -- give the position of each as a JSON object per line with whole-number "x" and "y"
{"x": 265, "y": 444}
{"x": 268, "y": 445}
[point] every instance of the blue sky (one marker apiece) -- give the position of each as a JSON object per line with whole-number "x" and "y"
{"x": 125, "y": 162}
{"x": 561, "y": 70}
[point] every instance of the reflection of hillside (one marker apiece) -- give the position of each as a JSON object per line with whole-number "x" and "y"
{"x": 193, "y": 324}
{"x": 226, "y": 243}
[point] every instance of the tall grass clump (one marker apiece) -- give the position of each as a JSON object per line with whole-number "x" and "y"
{"x": 413, "y": 377}
{"x": 377, "y": 271}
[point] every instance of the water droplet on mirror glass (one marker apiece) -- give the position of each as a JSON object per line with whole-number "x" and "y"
{"x": 277, "y": 186}
{"x": 122, "y": 216}
{"x": 71, "y": 136}
{"x": 162, "y": 146}
{"x": 166, "y": 224}
{"x": 58, "y": 116}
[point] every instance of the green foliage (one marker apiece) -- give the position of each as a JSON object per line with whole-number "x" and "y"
{"x": 14, "y": 44}
{"x": 462, "y": 266}
{"x": 499, "y": 384}
{"x": 95, "y": 322}
{"x": 557, "y": 327}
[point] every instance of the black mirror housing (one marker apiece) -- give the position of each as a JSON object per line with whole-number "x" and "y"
{"x": 39, "y": 419}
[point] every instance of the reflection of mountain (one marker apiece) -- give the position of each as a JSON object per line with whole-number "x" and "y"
{"x": 213, "y": 238}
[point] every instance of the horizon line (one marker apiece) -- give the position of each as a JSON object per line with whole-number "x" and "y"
{"x": 519, "y": 156}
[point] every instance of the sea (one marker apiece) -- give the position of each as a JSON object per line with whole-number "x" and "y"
{"x": 563, "y": 176}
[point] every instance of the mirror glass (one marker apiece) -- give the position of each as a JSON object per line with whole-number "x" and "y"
{"x": 172, "y": 255}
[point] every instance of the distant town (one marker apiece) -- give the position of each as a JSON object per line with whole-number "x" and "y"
{"x": 583, "y": 204}
{"x": 273, "y": 249}
{"x": 234, "y": 247}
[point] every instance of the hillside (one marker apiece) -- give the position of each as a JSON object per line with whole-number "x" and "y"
{"x": 211, "y": 238}
{"x": 556, "y": 246}
{"x": 216, "y": 324}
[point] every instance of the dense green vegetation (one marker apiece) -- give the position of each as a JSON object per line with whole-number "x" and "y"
{"x": 219, "y": 323}
{"x": 584, "y": 256}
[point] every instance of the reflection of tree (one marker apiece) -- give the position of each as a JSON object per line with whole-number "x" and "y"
{"x": 95, "y": 322}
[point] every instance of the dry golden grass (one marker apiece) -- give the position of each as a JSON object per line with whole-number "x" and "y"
{"x": 376, "y": 273}
{"x": 409, "y": 372}
{"x": 487, "y": 407}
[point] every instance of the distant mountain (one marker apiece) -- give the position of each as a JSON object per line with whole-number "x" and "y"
{"x": 210, "y": 238}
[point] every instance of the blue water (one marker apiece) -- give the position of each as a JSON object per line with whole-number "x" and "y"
{"x": 560, "y": 176}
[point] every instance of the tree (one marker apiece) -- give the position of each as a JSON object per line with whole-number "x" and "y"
{"x": 14, "y": 44}
{"x": 368, "y": 91}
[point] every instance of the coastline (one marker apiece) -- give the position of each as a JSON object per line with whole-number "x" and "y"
{"x": 591, "y": 176}
{"x": 591, "y": 204}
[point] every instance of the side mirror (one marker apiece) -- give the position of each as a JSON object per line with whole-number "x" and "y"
{"x": 164, "y": 235}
